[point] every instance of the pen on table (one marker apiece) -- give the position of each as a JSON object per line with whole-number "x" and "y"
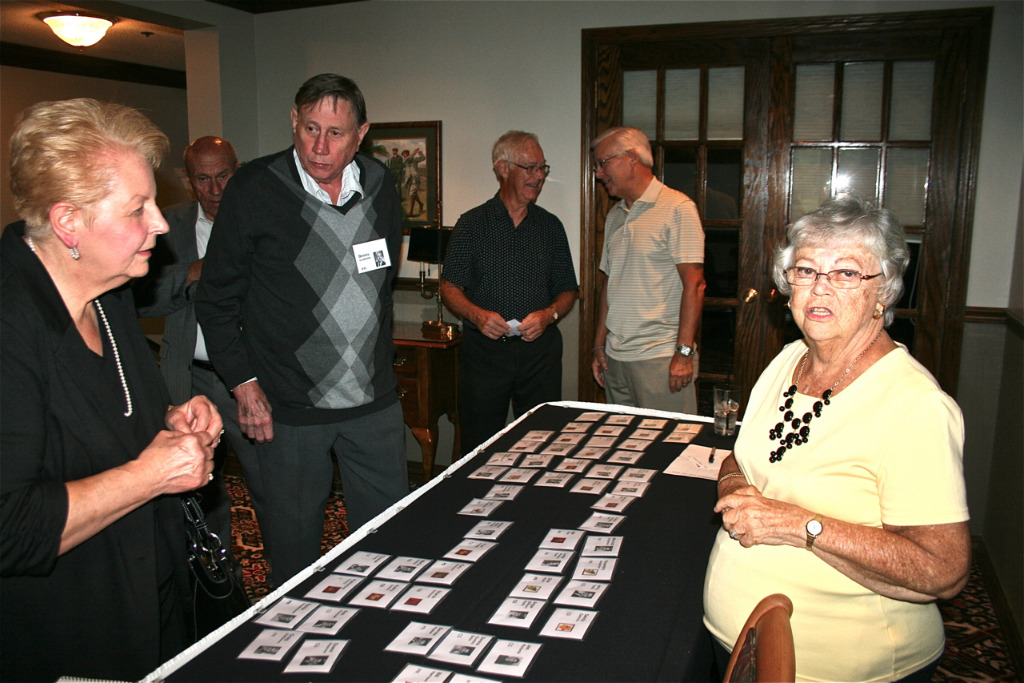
{"x": 711, "y": 458}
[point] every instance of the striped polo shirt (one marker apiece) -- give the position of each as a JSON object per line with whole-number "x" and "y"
{"x": 643, "y": 245}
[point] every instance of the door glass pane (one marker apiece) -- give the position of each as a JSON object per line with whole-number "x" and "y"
{"x": 682, "y": 104}
{"x": 640, "y": 101}
{"x": 725, "y": 182}
{"x": 862, "y": 102}
{"x": 911, "y": 117}
{"x": 681, "y": 170}
{"x": 906, "y": 180}
{"x": 721, "y": 259}
{"x": 910, "y": 277}
{"x": 858, "y": 170}
{"x": 717, "y": 340}
{"x": 812, "y": 180}
{"x": 725, "y": 103}
{"x": 812, "y": 115}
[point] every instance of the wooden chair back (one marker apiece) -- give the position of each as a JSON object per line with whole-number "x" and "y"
{"x": 764, "y": 650}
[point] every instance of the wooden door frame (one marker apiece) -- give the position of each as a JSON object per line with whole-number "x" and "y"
{"x": 965, "y": 38}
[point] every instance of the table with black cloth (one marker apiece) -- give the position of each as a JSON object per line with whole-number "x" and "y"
{"x": 649, "y": 623}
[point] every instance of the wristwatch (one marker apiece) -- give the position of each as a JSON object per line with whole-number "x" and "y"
{"x": 554, "y": 313}
{"x": 813, "y": 530}
{"x": 684, "y": 350}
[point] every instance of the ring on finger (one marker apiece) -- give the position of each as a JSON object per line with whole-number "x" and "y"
{"x": 733, "y": 535}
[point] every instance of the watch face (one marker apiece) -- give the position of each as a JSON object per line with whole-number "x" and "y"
{"x": 814, "y": 527}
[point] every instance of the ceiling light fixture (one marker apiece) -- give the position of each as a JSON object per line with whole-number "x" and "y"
{"x": 79, "y": 29}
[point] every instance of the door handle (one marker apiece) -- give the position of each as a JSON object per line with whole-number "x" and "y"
{"x": 750, "y": 295}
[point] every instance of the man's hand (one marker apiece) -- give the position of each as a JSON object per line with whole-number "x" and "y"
{"x": 254, "y": 412}
{"x": 680, "y": 372}
{"x": 533, "y": 325}
{"x": 195, "y": 271}
{"x": 599, "y": 365}
{"x": 491, "y": 324}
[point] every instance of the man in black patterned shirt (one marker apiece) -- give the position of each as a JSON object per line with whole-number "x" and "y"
{"x": 508, "y": 274}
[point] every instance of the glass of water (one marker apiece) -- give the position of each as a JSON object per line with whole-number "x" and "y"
{"x": 727, "y": 408}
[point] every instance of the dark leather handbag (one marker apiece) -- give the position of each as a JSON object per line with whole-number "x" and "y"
{"x": 218, "y": 591}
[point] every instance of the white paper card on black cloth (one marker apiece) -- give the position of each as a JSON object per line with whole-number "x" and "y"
{"x": 556, "y": 480}
{"x": 469, "y": 550}
{"x": 316, "y": 657}
{"x": 503, "y": 492}
{"x": 362, "y": 563}
{"x": 461, "y": 647}
{"x": 568, "y": 623}
{"x": 581, "y": 593}
{"x": 286, "y": 613}
{"x": 613, "y": 503}
{"x": 602, "y": 523}
{"x": 417, "y": 639}
{"x": 592, "y": 486}
{"x": 271, "y": 645}
{"x": 480, "y": 507}
{"x": 509, "y": 658}
{"x": 414, "y": 673}
{"x": 517, "y": 612}
{"x": 693, "y": 462}
{"x": 334, "y": 588}
{"x": 421, "y": 599}
{"x": 371, "y": 255}
{"x": 444, "y": 572}
{"x": 562, "y": 539}
{"x": 488, "y": 530}
{"x": 403, "y": 568}
{"x": 536, "y": 586}
{"x": 378, "y": 594}
{"x": 594, "y": 569}
{"x": 553, "y": 561}
{"x": 601, "y": 546}
{"x": 327, "y": 620}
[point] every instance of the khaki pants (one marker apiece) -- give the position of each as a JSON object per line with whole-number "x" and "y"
{"x": 644, "y": 384}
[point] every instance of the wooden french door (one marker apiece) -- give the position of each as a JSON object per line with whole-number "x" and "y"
{"x": 759, "y": 122}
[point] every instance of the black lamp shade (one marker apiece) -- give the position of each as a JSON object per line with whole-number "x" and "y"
{"x": 428, "y": 244}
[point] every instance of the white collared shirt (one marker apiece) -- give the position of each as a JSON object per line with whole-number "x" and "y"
{"x": 204, "y": 226}
{"x": 349, "y": 183}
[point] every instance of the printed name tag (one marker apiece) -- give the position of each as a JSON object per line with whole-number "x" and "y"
{"x": 372, "y": 255}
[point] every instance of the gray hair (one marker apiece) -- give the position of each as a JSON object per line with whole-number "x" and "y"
{"x": 627, "y": 139}
{"x": 509, "y": 143}
{"x": 851, "y": 218}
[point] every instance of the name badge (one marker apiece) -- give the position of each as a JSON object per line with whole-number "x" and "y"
{"x": 372, "y": 255}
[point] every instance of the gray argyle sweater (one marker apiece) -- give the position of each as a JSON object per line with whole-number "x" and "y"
{"x": 281, "y": 300}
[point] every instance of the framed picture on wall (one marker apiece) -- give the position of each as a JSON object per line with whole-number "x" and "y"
{"x": 412, "y": 152}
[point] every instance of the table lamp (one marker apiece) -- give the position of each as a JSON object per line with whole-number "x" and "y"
{"x": 428, "y": 245}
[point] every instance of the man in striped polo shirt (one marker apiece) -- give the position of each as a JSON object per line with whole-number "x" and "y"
{"x": 645, "y": 351}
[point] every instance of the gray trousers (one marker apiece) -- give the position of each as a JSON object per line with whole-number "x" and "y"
{"x": 297, "y": 471}
{"x": 644, "y": 384}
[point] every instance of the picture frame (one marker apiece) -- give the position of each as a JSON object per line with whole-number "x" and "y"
{"x": 412, "y": 153}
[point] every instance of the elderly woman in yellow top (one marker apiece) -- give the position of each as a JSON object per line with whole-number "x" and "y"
{"x": 846, "y": 490}
{"x": 94, "y": 580}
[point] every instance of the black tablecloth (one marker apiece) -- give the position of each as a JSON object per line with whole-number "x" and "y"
{"x": 648, "y": 627}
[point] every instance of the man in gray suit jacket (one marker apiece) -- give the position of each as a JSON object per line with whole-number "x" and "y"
{"x": 169, "y": 290}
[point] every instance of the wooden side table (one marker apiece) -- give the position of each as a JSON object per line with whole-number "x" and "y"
{"x": 428, "y": 373}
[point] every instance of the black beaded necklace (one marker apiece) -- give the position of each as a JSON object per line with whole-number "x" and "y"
{"x": 800, "y": 427}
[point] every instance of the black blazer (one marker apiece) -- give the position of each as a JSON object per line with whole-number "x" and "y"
{"x": 96, "y": 610}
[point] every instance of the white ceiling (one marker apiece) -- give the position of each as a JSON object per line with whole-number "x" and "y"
{"x": 126, "y": 41}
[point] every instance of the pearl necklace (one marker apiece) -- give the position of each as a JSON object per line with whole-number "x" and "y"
{"x": 800, "y": 427}
{"x": 113, "y": 344}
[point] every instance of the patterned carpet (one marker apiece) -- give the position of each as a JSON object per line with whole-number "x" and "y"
{"x": 976, "y": 650}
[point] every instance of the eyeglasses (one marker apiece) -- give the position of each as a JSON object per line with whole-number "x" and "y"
{"x": 543, "y": 169}
{"x": 602, "y": 162}
{"x": 844, "y": 278}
